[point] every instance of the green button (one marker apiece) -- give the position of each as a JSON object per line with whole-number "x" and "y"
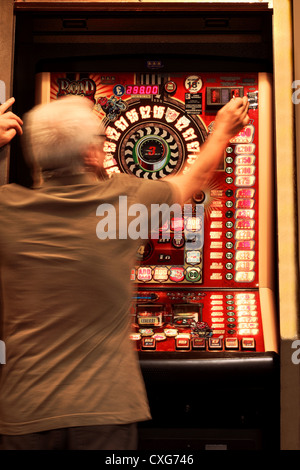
{"x": 193, "y": 274}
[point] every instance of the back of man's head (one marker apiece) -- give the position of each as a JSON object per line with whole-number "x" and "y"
{"x": 57, "y": 134}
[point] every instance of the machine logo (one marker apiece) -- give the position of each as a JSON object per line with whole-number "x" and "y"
{"x": 84, "y": 87}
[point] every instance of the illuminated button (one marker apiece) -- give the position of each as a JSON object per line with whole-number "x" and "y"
{"x": 245, "y": 213}
{"x": 146, "y": 331}
{"x": 244, "y": 332}
{"x": 148, "y": 343}
{"x": 249, "y": 325}
{"x": 193, "y": 257}
{"x": 231, "y": 343}
{"x": 244, "y": 224}
{"x": 229, "y": 234}
{"x": 199, "y": 343}
{"x": 229, "y": 224}
{"x": 244, "y": 203}
{"x": 247, "y": 319}
{"x": 244, "y": 234}
{"x": 193, "y": 274}
{"x": 182, "y": 343}
{"x": 177, "y": 224}
{"x": 135, "y": 336}
{"x": 248, "y": 343}
{"x": 244, "y": 149}
{"x": 245, "y": 277}
{"x": 193, "y": 223}
{"x": 170, "y": 332}
{"x": 144, "y": 274}
{"x": 176, "y": 274}
{"x": 245, "y": 135}
{"x": 245, "y": 255}
{"x": 229, "y": 255}
{"x": 241, "y": 314}
{"x": 244, "y": 296}
{"x": 245, "y": 245}
{"x": 229, "y": 170}
{"x": 160, "y": 273}
{"x": 244, "y": 180}
{"x": 229, "y": 245}
{"x": 215, "y": 343}
{"x": 229, "y": 149}
{"x": 242, "y": 301}
{"x": 244, "y": 159}
{"x": 248, "y": 170}
{"x": 244, "y": 266}
{"x": 229, "y": 160}
{"x": 246, "y": 307}
{"x": 229, "y": 204}
{"x": 245, "y": 193}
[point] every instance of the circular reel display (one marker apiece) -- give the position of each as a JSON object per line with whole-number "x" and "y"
{"x": 153, "y": 140}
{"x": 152, "y": 151}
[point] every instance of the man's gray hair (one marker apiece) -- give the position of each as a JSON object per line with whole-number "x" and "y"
{"x": 56, "y": 134}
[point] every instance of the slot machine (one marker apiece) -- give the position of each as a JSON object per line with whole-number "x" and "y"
{"x": 203, "y": 310}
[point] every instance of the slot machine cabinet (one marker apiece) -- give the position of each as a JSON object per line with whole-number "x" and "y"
{"x": 203, "y": 312}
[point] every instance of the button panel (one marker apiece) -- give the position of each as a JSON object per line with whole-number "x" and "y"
{"x": 203, "y": 321}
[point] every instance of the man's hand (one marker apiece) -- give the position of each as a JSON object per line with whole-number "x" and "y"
{"x": 229, "y": 121}
{"x": 232, "y": 118}
{"x": 10, "y": 123}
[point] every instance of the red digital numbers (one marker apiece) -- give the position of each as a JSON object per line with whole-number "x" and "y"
{"x": 142, "y": 89}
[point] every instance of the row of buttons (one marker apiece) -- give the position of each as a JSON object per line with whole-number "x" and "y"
{"x": 244, "y": 215}
{"x": 211, "y": 344}
{"x": 165, "y": 273}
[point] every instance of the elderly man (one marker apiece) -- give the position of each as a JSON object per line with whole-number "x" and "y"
{"x": 71, "y": 378}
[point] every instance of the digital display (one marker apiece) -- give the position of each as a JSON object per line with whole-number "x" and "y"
{"x": 216, "y": 97}
{"x": 142, "y": 89}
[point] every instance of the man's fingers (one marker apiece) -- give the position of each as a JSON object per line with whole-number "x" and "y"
{"x": 10, "y": 134}
{"x": 13, "y": 123}
{"x": 7, "y": 104}
{"x": 9, "y": 116}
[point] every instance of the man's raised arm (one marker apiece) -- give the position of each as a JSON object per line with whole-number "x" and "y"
{"x": 229, "y": 121}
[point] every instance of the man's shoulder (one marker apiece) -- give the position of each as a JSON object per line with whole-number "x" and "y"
{"x": 12, "y": 187}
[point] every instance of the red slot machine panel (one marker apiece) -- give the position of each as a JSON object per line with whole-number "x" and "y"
{"x": 217, "y": 244}
{"x": 185, "y": 320}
